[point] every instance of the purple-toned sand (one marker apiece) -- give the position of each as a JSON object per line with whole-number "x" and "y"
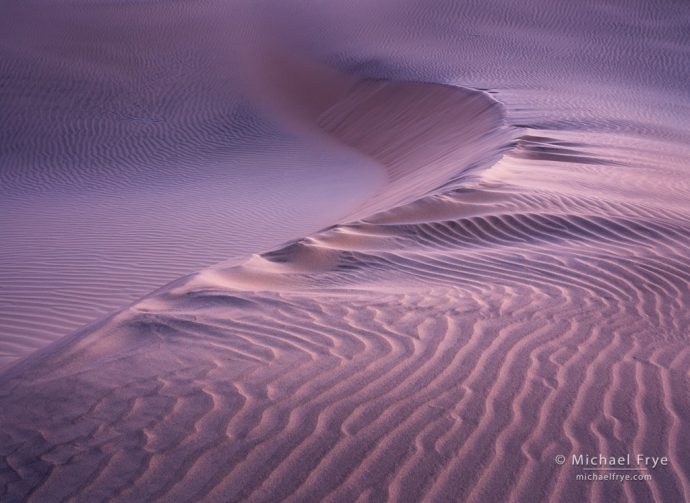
{"x": 338, "y": 251}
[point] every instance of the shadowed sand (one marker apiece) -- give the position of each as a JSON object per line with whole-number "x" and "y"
{"x": 440, "y": 349}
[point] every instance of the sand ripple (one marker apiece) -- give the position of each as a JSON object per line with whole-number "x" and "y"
{"x": 446, "y": 348}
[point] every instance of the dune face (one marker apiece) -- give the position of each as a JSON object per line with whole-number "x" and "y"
{"x": 128, "y": 161}
{"x": 451, "y": 244}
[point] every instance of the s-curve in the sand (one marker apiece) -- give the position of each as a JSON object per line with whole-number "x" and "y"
{"x": 451, "y": 245}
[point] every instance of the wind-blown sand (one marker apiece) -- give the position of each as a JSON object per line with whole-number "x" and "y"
{"x": 452, "y": 288}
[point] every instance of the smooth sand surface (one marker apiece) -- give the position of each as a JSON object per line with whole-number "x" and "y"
{"x": 431, "y": 289}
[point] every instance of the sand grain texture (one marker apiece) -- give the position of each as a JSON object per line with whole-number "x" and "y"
{"x": 435, "y": 289}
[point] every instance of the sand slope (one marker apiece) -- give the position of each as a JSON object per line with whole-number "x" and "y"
{"x": 132, "y": 154}
{"x": 443, "y": 350}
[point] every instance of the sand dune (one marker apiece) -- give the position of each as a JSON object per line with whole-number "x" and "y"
{"x": 428, "y": 292}
{"x": 441, "y": 350}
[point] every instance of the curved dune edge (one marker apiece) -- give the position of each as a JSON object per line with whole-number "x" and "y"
{"x": 424, "y": 135}
{"x": 381, "y": 143}
{"x": 443, "y": 350}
